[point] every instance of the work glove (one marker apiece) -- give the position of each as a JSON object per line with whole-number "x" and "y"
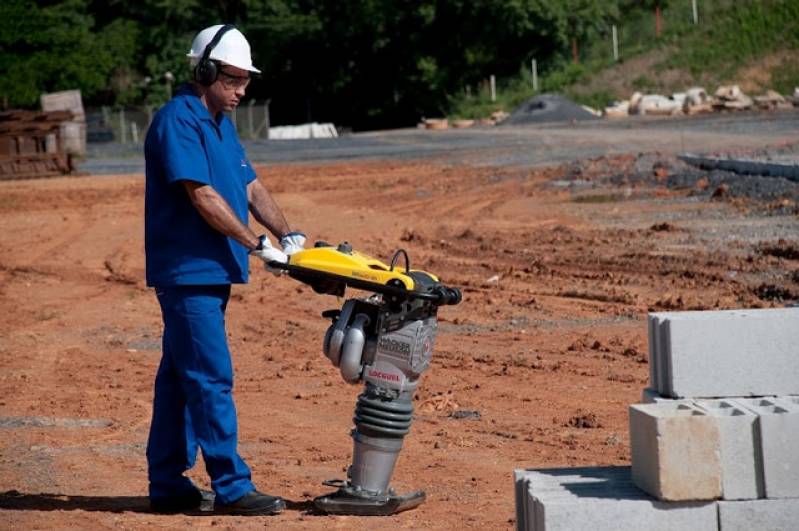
{"x": 292, "y": 242}
{"x": 269, "y": 254}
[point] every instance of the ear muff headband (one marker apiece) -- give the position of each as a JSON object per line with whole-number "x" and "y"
{"x": 206, "y": 71}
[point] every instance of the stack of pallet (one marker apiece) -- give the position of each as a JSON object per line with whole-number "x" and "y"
{"x": 715, "y": 445}
{"x": 31, "y": 144}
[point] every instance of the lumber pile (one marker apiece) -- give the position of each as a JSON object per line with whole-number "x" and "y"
{"x": 31, "y": 144}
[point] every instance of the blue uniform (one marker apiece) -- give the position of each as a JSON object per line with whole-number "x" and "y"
{"x": 191, "y": 266}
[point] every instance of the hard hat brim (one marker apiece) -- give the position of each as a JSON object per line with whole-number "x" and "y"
{"x": 194, "y": 58}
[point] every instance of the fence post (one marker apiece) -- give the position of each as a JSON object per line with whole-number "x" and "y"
{"x": 695, "y": 11}
{"x": 134, "y": 132}
{"x": 535, "y": 75}
{"x": 266, "y": 118}
{"x": 249, "y": 119}
{"x": 233, "y": 119}
{"x": 493, "y": 88}
{"x": 123, "y": 131}
{"x": 615, "y": 43}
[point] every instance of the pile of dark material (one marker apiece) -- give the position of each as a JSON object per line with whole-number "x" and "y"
{"x": 547, "y": 108}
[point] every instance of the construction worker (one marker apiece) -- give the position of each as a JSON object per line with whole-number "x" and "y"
{"x": 199, "y": 188}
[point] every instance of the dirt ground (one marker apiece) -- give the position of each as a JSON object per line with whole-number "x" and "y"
{"x": 559, "y": 267}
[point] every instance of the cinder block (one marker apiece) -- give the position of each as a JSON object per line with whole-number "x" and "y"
{"x": 727, "y": 353}
{"x": 675, "y": 451}
{"x": 651, "y": 396}
{"x": 778, "y": 429}
{"x": 739, "y": 449}
{"x": 770, "y": 515}
{"x": 605, "y": 499}
{"x": 658, "y": 353}
{"x": 520, "y": 486}
{"x": 652, "y": 322}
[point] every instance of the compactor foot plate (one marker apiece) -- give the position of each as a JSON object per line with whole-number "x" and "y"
{"x": 343, "y": 502}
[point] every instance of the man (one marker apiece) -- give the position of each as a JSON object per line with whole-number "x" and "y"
{"x": 199, "y": 189}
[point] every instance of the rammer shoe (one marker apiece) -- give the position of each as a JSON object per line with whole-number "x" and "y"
{"x": 253, "y": 503}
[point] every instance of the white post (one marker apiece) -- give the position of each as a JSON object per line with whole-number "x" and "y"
{"x": 266, "y": 118}
{"x": 535, "y": 75}
{"x": 134, "y": 132}
{"x": 695, "y": 12}
{"x": 249, "y": 118}
{"x": 493, "y": 88}
{"x": 122, "y": 127}
{"x": 615, "y": 43}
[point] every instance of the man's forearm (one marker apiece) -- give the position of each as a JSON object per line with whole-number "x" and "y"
{"x": 266, "y": 211}
{"x": 218, "y": 214}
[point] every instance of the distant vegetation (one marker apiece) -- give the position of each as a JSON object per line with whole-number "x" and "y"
{"x": 379, "y": 63}
{"x": 730, "y": 35}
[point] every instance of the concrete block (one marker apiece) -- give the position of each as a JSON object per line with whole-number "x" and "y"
{"x": 658, "y": 353}
{"x": 651, "y": 396}
{"x": 604, "y": 499}
{"x": 727, "y": 353}
{"x": 652, "y": 322}
{"x": 739, "y": 449}
{"x": 675, "y": 451}
{"x": 778, "y": 428}
{"x": 767, "y": 515}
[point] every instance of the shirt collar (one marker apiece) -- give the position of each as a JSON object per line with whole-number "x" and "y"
{"x": 196, "y": 105}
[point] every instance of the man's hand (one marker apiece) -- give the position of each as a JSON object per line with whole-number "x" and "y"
{"x": 268, "y": 254}
{"x": 292, "y": 242}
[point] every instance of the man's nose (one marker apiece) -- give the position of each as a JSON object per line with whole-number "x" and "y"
{"x": 240, "y": 91}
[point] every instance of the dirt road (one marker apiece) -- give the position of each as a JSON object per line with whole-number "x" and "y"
{"x": 559, "y": 267}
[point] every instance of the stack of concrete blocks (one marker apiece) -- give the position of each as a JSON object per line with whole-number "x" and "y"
{"x": 715, "y": 445}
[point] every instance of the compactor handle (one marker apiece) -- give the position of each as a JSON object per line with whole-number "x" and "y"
{"x": 448, "y": 296}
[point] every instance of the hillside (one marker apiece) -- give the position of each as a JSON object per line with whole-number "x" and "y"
{"x": 754, "y": 44}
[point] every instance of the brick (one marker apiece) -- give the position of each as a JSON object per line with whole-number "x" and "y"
{"x": 771, "y": 515}
{"x": 727, "y": 353}
{"x": 604, "y": 499}
{"x": 778, "y": 432}
{"x": 675, "y": 451}
{"x": 739, "y": 449}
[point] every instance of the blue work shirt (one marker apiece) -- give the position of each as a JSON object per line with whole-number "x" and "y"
{"x": 185, "y": 143}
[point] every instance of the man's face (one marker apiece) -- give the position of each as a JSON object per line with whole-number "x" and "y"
{"x": 226, "y": 92}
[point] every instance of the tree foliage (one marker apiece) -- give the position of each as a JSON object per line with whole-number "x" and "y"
{"x": 362, "y": 63}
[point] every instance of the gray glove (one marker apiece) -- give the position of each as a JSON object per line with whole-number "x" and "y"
{"x": 269, "y": 254}
{"x": 292, "y": 242}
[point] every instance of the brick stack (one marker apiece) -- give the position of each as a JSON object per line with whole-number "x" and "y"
{"x": 715, "y": 445}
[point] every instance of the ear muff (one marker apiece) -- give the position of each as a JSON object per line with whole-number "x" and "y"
{"x": 206, "y": 71}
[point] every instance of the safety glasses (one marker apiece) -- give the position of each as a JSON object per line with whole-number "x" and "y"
{"x": 230, "y": 82}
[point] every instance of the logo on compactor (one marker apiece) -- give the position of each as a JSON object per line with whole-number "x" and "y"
{"x": 384, "y": 375}
{"x": 392, "y": 345}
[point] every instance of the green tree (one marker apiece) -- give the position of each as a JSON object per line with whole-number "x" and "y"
{"x": 54, "y": 47}
{"x": 577, "y": 19}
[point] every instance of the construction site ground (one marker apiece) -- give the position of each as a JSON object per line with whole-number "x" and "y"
{"x": 562, "y": 238}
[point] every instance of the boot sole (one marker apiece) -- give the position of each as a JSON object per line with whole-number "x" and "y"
{"x": 274, "y": 509}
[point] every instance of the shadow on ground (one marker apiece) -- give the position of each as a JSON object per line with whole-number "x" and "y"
{"x": 19, "y": 501}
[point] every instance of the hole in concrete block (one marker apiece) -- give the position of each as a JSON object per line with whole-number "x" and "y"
{"x": 715, "y": 404}
{"x": 763, "y": 405}
{"x": 721, "y": 408}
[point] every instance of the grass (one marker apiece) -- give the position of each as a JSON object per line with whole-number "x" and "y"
{"x": 730, "y": 34}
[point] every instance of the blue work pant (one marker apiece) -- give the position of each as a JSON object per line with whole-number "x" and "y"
{"x": 193, "y": 405}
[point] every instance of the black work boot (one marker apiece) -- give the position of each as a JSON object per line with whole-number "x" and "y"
{"x": 253, "y": 503}
{"x": 191, "y": 500}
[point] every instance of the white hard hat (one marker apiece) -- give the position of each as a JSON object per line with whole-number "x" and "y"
{"x": 233, "y": 49}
